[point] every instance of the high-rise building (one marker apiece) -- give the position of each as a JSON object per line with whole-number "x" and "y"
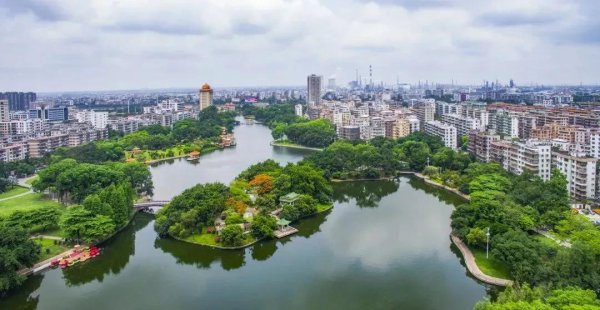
{"x": 205, "y": 95}
{"x": 313, "y": 88}
{"x": 331, "y": 84}
{"x": 4, "y": 111}
{"x": 425, "y": 112}
{"x": 19, "y": 101}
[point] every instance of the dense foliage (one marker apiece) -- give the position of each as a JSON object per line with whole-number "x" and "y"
{"x": 74, "y": 181}
{"x": 41, "y": 219}
{"x": 80, "y": 224}
{"x": 205, "y": 207}
{"x": 282, "y": 120}
{"x": 385, "y": 157}
{"x": 525, "y": 298}
{"x": 272, "y": 115}
{"x": 195, "y": 208}
{"x": 17, "y": 251}
{"x": 317, "y": 133}
{"x": 98, "y": 152}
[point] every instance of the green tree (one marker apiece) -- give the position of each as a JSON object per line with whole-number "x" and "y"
{"x": 232, "y": 235}
{"x": 93, "y": 204}
{"x": 17, "y": 251}
{"x": 263, "y": 226}
{"x": 82, "y": 225}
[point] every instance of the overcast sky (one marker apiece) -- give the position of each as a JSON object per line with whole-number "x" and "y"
{"x": 57, "y": 45}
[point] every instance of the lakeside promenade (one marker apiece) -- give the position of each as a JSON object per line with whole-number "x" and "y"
{"x": 472, "y": 265}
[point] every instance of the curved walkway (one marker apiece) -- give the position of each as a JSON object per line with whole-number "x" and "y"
{"x": 18, "y": 195}
{"x": 473, "y": 268}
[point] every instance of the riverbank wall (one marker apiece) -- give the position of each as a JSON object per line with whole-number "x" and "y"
{"x": 295, "y": 146}
{"x": 464, "y": 249}
{"x": 438, "y": 185}
{"x": 472, "y": 264}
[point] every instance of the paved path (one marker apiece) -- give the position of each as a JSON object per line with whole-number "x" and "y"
{"x": 18, "y": 195}
{"x": 548, "y": 235}
{"x": 45, "y": 264}
{"x": 23, "y": 182}
{"x": 48, "y": 237}
{"x": 473, "y": 268}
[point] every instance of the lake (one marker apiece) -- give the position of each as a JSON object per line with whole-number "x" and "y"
{"x": 384, "y": 245}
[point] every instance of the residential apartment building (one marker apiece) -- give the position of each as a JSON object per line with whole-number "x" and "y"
{"x": 517, "y": 157}
{"x": 446, "y": 132}
{"x": 580, "y": 171}
{"x": 425, "y": 112}
{"x": 13, "y": 152}
{"x": 480, "y": 144}
{"x": 126, "y": 126}
{"x": 38, "y": 147}
{"x": 349, "y": 132}
{"x": 506, "y": 124}
{"x": 463, "y": 125}
{"x": 96, "y": 119}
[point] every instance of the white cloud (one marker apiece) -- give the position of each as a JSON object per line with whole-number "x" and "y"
{"x": 99, "y": 44}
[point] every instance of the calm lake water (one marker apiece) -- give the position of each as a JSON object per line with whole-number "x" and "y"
{"x": 384, "y": 245}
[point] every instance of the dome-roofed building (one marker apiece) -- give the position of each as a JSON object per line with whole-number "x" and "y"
{"x": 205, "y": 95}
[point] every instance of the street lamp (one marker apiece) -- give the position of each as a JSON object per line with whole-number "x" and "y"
{"x": 487, "y": 243}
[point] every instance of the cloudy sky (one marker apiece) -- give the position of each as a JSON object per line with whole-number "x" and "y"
{"x": 57, "y": 45}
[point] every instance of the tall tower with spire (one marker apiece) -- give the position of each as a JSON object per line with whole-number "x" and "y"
{"x": 205, "y": 96}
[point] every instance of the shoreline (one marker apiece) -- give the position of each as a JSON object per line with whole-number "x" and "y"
{"x": 295, "y": 146}
{"x": 362, "y": 179}
{"x": 45, "y": 264}
{"x": 472, "y": 264}
{"x": 438, "y": 185}
{"x": 239, "y": 247}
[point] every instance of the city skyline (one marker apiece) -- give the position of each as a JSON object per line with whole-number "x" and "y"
{"x": 94, "y": 45}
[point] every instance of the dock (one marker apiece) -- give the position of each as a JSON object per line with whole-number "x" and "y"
{"x": 285, "y": 231}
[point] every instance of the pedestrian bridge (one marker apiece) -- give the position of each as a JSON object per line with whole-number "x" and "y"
{"x": 150, "y": 206}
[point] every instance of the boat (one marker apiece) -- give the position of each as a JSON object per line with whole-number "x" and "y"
{"x": 78, "y": 255}
{"x": 194, "y": 155}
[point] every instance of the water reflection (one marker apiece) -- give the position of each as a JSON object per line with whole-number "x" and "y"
{"x": 25, "y": 298}
{"x": 200, "y": 256}
{"x": 115, "y": 256}
{"x": 366, "y": 193}
{"x": 203, "y": 257}
{"x": 442, "y": 195}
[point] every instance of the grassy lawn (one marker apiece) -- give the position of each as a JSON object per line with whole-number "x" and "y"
{"x": 323, "y": 207}
{"x": 26, "y": 202}
{"x": 204, "y": 238}
{"x": 48, "y": 244}
{"x": 16, "y": 190}
{"x": 209, "y": 239}
{"x": 285, "y": 142}
{"x": 490, "y": 266}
